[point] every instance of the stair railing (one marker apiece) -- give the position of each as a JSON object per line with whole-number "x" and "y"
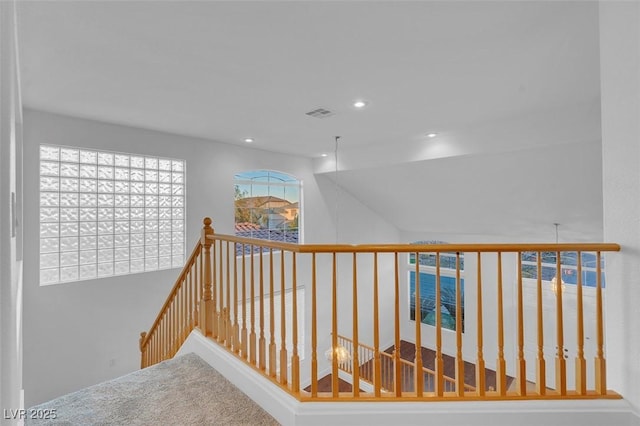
{"x": 522, "y": 337}
{"x": 186, "y": 302}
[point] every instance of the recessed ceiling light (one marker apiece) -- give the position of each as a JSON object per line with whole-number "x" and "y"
{"x": 359, "y": 104}
{"x": 324, "y": 155}
{"x": 432, "y": 135}
{"x": 248, "y": 140}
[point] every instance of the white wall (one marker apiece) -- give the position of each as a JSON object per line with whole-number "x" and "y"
{"x": 357, "y": 224}
{"x": 10, "y": 236}
{"x": 78, "y": 334}
{"x": 620, "y": 87}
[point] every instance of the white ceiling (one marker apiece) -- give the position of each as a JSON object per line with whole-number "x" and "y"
{"x": 489, "y": 77}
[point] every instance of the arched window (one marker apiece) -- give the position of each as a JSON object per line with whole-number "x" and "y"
{"x": 267, "y": 206}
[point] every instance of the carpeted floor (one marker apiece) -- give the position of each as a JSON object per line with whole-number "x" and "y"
{"x": 181, "y": 391}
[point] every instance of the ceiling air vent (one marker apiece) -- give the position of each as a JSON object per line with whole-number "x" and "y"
{"x": 320, "y": 113}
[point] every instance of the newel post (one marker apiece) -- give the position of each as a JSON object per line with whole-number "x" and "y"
{"x": 143, "y": 350}
{"x": 206, "y": 304}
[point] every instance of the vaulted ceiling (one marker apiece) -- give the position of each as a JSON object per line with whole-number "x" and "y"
{"x": 510, "y": 88}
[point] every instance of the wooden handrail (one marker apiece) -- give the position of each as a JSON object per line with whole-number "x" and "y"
{"x": 172, "y": 293}
{"x": 412, "y": 248}
{"x": 342, "y": 294}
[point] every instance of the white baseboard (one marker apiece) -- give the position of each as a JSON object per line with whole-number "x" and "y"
{"x": 289, "y": 411}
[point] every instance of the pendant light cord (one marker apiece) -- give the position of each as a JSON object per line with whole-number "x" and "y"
{"x": 335, "y": 181}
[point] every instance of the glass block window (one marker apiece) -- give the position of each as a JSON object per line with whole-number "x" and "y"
{"x": 105, "y": 213}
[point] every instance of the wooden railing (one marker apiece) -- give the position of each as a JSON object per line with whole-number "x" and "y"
{"x": 179, "y": 314}
{"x": 516, "y": 339}
{"x": 405, "y": 382}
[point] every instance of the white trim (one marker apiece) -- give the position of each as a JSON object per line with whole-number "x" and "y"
{"x": 264, "y": 392}
{"x": 289, "y": 411}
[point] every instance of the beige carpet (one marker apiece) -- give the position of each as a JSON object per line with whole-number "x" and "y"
{"x": 181, "y": 391}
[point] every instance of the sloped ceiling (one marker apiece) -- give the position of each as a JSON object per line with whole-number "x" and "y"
{"x": 521, "y": 193}
{"x": 508, "y": 86}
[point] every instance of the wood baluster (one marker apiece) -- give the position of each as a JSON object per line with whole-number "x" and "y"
{"x": 193, "y": 292}
{"x": 235, "y": 328}
{"x": 215, "y": 267}
{"x": 163, "y": 335}
{"x": 397, "y": 366}
{"x": 283, "y": 327}
{"x": 192, "y": 277}
{"x": 228, "y": 337}
{"x": 480, "y": 368}
{"x": 541, "y": 373}
{"x": 600, "y": 362}
{"x": 581, "y": 363}
{"x": 314, "y": 329}
{"x": 272, "y": 333}
{"x": 356, "y": 358}
{"x": 174, "y": 331}
{"x": 170, "y": 330}
{"x": 167, "y": 335}
{"x": 561, "y": 366}
{"x": 261, "y": 340}
{"x": 186, "y": 319}
{"x": 199, "y": 285}
{"x": 153, "y": 348}
{"x": 217, "y": 278}
{"x": 501, "y": 374}
{"x": 439, "y": 361}
{"x": 184, "y": 328}
{"x": 243, "y": 332}
{"x": 179, "y": 315}
{"x": 252, "y": 322}
{"x": 419, "y": 383}
{"x": 143, "y": 350}
{"x": 176, "y": 318}
{"x": 459, "y": 359}
{"x": 521, "y": 373}
{"x": 153, "y": 344}
{"x": 197, "y": 290}
{"x": 221, "y": 322}
{"x": 206, "y": 305}
{"x": 179, "y": 310}
{"x": 334, "y": 329}
{"x": 187, "y": 299}
{"x": 377, "y": 367}
{"x": 295, "y": 359}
